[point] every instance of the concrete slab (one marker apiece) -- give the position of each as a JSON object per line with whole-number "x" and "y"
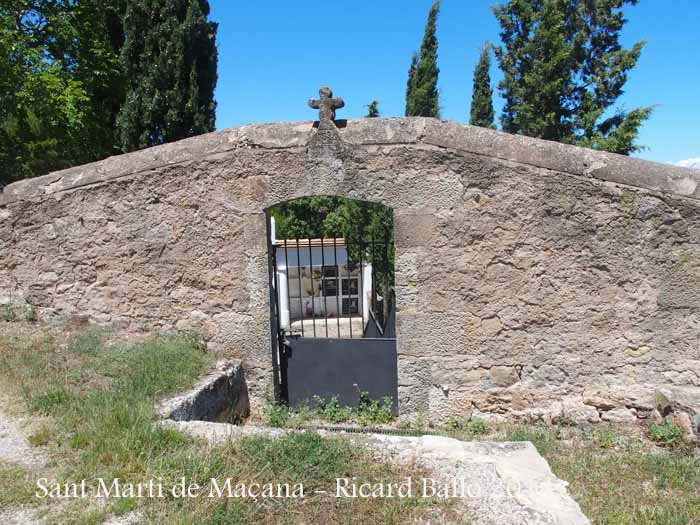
{"x": 507, "y": 483}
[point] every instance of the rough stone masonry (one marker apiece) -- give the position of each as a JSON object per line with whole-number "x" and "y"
{"x": 533, "y": 278}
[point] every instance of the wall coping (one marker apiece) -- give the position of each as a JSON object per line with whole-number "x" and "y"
{"x": 373, "y": 131}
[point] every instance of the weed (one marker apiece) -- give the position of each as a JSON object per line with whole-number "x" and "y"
{"x": 21, "y": 311}
{"x": 41, "y": 436}
{"x": 8, "y": 313}
{"x": 104, "y": 421}
{"x": 332, "y": 411}
{"x": 666, "y": 434}
{"x": 88, "y": 342}
{"x": 277, "y": 415}
{"x": 605, "y": 438}
{"x": 540, "y": 437}
{"x": 368, "y": 412}
{"x": 473, "y": 427}
{"x": 373, "y": 412}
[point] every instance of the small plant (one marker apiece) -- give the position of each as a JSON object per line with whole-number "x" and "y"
{"x": 666, "y": 434}
{"x": 478, "y": 427}
{"x": 332, "y": 411}
{"x": 456, "y": 423}
{"x": 277, "y": 415}
{"x": 18, "y": 312}
{"x": 475, "y": 427}
{"x": 372, "y": 412}
{"x": 8, "y": 313}
{"x": 41, "y": 436}
{"x": 539, "y": 437}
{"x": 605, "y": 438}
{"x": 29, "y": 312}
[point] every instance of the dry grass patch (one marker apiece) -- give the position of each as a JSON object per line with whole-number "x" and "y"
{"x": 16, "y": 486}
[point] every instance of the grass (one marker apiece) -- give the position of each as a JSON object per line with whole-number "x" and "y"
{"x": 16, "y": 486}
{"x": 617, "y": 476}
{"x": 96, "y": 401}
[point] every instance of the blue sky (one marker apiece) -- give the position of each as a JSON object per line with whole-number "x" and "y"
{"x": 274, "y": 55}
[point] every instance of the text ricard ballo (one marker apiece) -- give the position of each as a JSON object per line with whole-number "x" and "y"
{"x": 228, "y": 488}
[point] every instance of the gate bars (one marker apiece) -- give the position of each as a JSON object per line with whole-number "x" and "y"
{"x": 327, "y": 286}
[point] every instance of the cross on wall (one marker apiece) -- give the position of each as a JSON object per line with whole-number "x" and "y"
{"x": 326, "y": 106}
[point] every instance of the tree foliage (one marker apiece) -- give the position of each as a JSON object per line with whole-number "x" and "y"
{"x": 482, "y": 113}
{"x": 372, "y": 109}
{"x": 564, "y": 69}
{"x": 367, "y": 228}
{"x": 60, "y": 83}
{"x": 421, "y": 88}
{"x": 170, "y": 60}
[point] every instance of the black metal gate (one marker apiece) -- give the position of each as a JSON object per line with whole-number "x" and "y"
{"x": 333, "y": 320}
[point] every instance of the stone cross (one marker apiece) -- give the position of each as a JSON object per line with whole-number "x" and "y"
{"x": 326, "y": 106}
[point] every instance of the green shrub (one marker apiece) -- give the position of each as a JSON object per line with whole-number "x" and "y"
{"x": 477, "y": 427}
{"x": 373, "y": 412}
{"x": 456, "y": 423}
{"x": 332, "y": 411}
{"x": 18, "y": 312}
{"x": 8, "y": 313}
{"x": 666, "y": 434}
{"x": 277, "y": 415}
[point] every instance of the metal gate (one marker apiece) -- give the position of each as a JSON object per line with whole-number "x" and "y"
{"x": 332, "y": 319}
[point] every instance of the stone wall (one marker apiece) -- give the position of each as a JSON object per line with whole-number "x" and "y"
{"x": 532, "y": 277}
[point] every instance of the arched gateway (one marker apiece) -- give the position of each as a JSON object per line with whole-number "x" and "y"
{"x": 530, "y": 276}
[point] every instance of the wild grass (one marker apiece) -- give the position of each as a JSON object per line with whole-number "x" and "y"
{"x": 16, "y": 486}
{"x": 618, "y": 476}
{"x": 96, "y": 401}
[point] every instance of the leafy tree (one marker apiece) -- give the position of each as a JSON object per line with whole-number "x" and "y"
{"x": 564, "y": 69}
{"x": 482, "y": 113}
{"x": 421, "y": 89}
{"x": 170, "y": 60}
{"x": 59, "y": 84}
{"x": 372, "y": 109}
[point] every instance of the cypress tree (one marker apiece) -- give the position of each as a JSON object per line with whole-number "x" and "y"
{"x": 410, "y": 83}
{"x": 482, "y": 113}
{"x": 564, "y": 68}
{"x": 421, "y": 91}
{"x": 170, "y": 61}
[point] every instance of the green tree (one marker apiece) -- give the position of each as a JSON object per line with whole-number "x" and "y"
{"x": 170, "y": 60}
{"x": 60, "y": 84}
{"x": 482, "y": 113}
{"x": 564, "y": 69}
{"x": 421, "y": 89}
{"x": 372, "y": 109}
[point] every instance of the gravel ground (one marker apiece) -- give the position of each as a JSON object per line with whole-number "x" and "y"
{"x": 14, "y": 447}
